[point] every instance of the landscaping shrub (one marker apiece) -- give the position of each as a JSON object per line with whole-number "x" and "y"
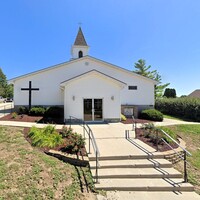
{"x": 151, "y": 114}
{"x": 66, "y": 132}
{"x": 14, "y": 115}
{"x": 76, "y": 143}
{"x": 54, "y": 112}
{"x": 37, "y": 111}
{"x": 150, "y": 131}
{"x": 123, "y": 118}
{"x": 45, "y": 137}
{"x": 22, "y": 110}
{"x": 186, "y": 107}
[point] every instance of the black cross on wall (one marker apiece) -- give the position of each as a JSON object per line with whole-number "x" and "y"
{"x": 30, "y": 89}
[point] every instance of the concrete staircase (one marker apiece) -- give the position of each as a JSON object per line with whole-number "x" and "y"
{"x": 138, "y": 173}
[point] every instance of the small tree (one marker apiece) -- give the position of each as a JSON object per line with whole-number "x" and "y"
{"x": 170, "y": 93}
{"x": 5, "y": 89}
{"x": 143, "y": 70}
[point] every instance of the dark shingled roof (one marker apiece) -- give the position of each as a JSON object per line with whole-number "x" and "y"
{"x": 195, "y": 93}
{"x": 80, "y": 39}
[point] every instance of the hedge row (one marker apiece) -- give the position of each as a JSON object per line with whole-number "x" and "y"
{"x": 186, "y": 107}
{"x": 53, "y": 111}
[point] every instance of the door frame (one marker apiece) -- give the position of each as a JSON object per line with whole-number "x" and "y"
{"x": 93, "y": 109}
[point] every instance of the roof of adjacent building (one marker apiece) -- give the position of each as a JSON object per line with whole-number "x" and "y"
{"x": 80, "y": 39}
{"x": 195, "y": 93}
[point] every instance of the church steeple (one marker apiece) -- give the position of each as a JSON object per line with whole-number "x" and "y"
{"x": 80, "y": 39}
{"x": 80, "y": 47}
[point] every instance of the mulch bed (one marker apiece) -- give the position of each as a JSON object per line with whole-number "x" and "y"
{"x": 131, "y": 121}
{"x": 161, "y": 147}
{"x": 21, "y": 118}
{"x": 28, "y": 118}
{"x": 82, "y": 152}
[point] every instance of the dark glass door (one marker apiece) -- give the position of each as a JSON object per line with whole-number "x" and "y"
{"x": 88, "y": 110}
{"x": 98, "y": 114}
{"x": 93, "y": 109}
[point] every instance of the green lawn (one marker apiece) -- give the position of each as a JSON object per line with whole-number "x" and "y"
{"x": 172, "y": 117}
{"x": 27, "y": 173}
{"x": 191, "y": 135}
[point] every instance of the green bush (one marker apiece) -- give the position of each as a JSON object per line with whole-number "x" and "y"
{"x": 76, "y": 143}
{"x": 14, "y": 115}
{"x": 54, "y": 112}
{"x": 22, "y": 110}
{"x": 66, "y": 132}
{"x": 151, "y": 114}
{"x": 37, "y": 111}
{"x": 46, "y": 137}
{"x": 186, "y": 107}
{"x": 150, "y": 131}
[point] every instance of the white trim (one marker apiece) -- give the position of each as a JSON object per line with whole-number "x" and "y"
{"x": 94, "y": 72}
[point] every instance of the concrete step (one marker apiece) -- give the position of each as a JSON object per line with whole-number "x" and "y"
{"x": 124, "y": 184}
{"x": 126, "y": 157}
{"x": 129, "y": 163}
{"x": 123, "y": 195}
{"x": 137, "y": 173}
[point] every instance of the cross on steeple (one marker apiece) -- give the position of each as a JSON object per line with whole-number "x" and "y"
{"x": 30, "y": 89}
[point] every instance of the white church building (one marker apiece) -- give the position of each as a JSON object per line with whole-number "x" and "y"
{"x": 88, "y": 88}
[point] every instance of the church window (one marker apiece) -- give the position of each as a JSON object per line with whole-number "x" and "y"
{"x": 80, "y": 54}
{"x": 132, "y": 87}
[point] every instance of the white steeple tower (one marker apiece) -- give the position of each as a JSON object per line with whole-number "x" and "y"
{"x": 80, "y": 47}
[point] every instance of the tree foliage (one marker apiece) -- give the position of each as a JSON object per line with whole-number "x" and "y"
{"x": 144, "y": 70}
{"x": 6, "y": 90}
{"x": 170, "y": 93}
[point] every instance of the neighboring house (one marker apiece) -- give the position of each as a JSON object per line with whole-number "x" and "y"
{"x": 87, "y": 88}
{"x": 195, "y": 94}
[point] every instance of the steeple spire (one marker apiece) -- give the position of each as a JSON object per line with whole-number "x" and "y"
{"x": 80, "y": 47}
{"x": 80, "y": 39}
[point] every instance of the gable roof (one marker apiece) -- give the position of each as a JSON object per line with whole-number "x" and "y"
{"x": 195, "y": 93}
{"x": 80, "y": 39}
{"x": 94, "y": 72}
{"x": 115, "y": 67}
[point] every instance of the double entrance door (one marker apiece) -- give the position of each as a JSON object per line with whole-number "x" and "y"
{"x": 93, "y": 109}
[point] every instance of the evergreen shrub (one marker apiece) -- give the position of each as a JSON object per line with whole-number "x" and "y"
{"x": 151, "y": 114}
{"x": 183, "y": 107}
{"x": 37, "y": 111}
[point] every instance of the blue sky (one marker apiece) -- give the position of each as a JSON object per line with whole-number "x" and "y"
{"x": 35, "y": 34}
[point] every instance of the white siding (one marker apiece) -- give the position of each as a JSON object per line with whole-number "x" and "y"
{"x": 90, "y": 86}
{"x": 48, "y": 81}
{"x": 93, "y": 87}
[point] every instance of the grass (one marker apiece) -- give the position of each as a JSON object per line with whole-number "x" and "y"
{"x": 27, "y": 173}
{"x": 172, "y": 117}
{"x": 191, "y": 135}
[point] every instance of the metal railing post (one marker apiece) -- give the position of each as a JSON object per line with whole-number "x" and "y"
{"x": 89, "y": 141}
{"x": 185, "y": 168}
{"x": 96, "y": 167}
{"x": 70, "y": 122}
{"x": 156, "y": 140}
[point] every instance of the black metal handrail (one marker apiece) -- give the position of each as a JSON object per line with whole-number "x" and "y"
{"x": 185, "y": 152}
{"x": 88, "y": 130}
